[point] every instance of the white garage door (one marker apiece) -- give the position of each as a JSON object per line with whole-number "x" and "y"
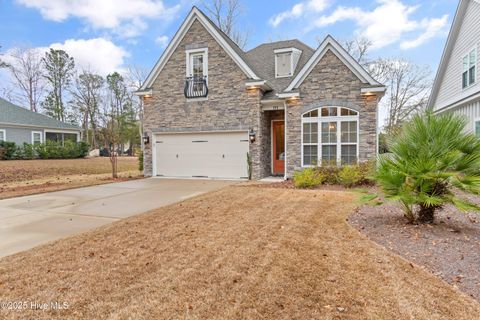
{"x": 212, "y": 155}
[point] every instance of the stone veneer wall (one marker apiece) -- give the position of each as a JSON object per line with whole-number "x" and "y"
{"x": 331, "y": 83}
{"x": 229, "y": 106}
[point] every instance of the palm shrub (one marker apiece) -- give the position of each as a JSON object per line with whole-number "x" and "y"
{"x": 428, "y": 160}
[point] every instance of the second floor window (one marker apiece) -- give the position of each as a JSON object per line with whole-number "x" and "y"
{"x": 469, "y": 69}
{"x": 197, "y": 63}
{"x": 197, "y": 73}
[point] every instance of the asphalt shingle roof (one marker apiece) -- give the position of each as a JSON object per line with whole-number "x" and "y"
{"x": 13, "y": 114}
{"x": 262, "y": 61}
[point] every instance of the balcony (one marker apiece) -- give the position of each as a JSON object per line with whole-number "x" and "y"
{"x": 196, "y": 87}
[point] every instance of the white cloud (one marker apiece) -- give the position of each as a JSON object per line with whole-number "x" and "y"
{"x": 388, "y": 23}
{"x": 125, "y": 17}
{"x": 98, "y": 55}
{"x": 299, "y": 10}
{"x": 162, "y": 41}
{"x": 432, "y": 27}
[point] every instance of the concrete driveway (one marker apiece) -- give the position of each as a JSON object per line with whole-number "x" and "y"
{"x": 26, "y": 222}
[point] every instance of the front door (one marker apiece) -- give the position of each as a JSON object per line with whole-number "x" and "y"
{"x": 278, "y": 141}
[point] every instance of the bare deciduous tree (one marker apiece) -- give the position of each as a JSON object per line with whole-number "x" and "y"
{"x": 408, "y": 85}
{"x": 135, "y": 77}
{"x": 408, "y": 89}
{"x": 27, "y": 71}
{"x": 225, "y": 14}
{"x": 87, "y": 90}
{"x": 358, "y": 48}
{"x": 3, "y": 64}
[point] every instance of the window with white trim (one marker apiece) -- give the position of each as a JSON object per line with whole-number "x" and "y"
{"x": 469, "y": 69}
{"x": 477, "y": 128}
{"x": 197, "y": 63}
{"x": 3, "y": 135}
{"x": 330, "y": 136}
{"x": 36, "y": 137}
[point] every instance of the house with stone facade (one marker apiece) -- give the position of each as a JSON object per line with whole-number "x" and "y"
{"x": 208, "y": 103}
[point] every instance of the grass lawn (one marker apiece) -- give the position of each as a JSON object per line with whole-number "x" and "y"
{"x": 239, "y": 253}
{"x": 23, "y": 177}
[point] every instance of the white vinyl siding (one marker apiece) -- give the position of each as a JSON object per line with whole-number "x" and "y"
{"x": 471, "y": 112}
{"x": 451, "y": 89}
{"x": 3, "y": 135}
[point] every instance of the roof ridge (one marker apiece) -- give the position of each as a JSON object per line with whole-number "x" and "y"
{"x": 274, "y": 42}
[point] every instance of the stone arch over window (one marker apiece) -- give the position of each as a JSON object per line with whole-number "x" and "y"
{"x": 330, "y": 136}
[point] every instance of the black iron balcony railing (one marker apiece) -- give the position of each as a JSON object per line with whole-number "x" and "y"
{"x": 196, "y": 87}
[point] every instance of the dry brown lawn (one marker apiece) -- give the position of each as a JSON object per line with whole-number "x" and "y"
{"x": 238, "y": 253}
{"x": 24, "y": 177}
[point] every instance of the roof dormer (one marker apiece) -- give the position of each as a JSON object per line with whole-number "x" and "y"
{"x": 286, "y": 61}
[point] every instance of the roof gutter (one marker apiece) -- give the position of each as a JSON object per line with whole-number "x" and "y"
{"x": 17, "y": 125}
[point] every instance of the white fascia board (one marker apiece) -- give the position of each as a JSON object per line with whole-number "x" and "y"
{"x": 458, "y": 103}
{"x": 141, "y": 93}
{"x": 447, "y": 51}
{"x": 194, "y": 15}
{"x": 286, "y": 95}
{"x": 373, "y": 90}
{"x": 262, "y": 84}
{"x": 331, "y": 44}
{"x": 286, "y": 50}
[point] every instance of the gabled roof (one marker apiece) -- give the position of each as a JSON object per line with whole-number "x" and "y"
{"x": 11, "y": 114}
{"x": 331, "y": 44}
{"x": 447, "y": 51}
{"x": 223, "y": 40}
{"x": 259, "y": 62}
{"x": 262, "y": 60}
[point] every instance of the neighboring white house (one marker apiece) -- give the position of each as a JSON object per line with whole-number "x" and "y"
{"x": 457, "y": 84}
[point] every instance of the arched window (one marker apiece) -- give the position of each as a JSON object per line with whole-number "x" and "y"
{"x": 330, "y": 136}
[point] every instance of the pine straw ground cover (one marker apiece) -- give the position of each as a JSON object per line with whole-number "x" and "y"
{"x": 24, "y": 177}
{"x": 237, "y": 253}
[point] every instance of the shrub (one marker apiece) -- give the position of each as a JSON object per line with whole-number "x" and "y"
{"x": 431, "y": 157}
{"x": 308, "y": 178}
{"x": 29, "y": 151}
{"x": 7, "y": 150}
{"x": 350, "y": 176}
{"x": 47, "y": 150}
{"x": 329, "y": 174}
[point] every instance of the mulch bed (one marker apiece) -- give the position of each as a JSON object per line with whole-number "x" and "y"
{"x": 450, "y": 248}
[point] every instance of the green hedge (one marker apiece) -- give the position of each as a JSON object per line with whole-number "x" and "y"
{"x": 48, "y": 150}
{"x": 348, "y": 175}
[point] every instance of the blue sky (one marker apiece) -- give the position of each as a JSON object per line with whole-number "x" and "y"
{"x": 112, "y": 34}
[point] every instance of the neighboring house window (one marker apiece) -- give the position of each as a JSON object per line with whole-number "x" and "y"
{"x": 477, "y": 128}
{"x": 61, "y": 137}
{"x": 36, "y": 137}
{"x": 197, "y": 68}
{"x": 3, "y": 135}
{"x": 331, "y": 135}
{"x": 469, "y": 69}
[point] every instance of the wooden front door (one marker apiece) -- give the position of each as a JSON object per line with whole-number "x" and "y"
{"x": 278, "y": 141}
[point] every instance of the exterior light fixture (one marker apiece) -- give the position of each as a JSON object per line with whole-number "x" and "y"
{"x": 252, "y": 135}
{"x": 146, "y": 139}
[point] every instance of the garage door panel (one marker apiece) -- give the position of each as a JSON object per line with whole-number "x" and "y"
{"x": 216, "y": 155}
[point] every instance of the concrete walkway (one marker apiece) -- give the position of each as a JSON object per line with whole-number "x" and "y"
{"x": 26, "y": 222}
